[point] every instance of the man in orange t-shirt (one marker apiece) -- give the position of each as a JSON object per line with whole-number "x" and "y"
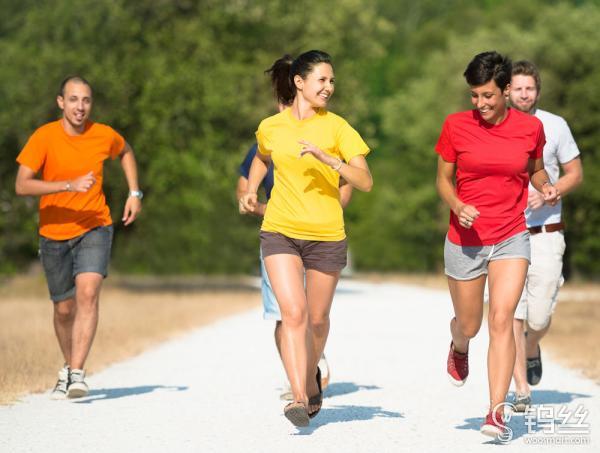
{"x": 75, "y": 224}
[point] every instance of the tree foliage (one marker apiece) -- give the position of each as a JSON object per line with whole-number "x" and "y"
{"x": 183, "y": 81}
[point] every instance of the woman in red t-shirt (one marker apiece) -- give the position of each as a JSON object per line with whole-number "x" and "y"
{"x": 492, "y": 152}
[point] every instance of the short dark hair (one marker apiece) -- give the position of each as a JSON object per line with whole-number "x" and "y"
{"x": 285, "y": 68}
{"x": 525, "y": 67}
{"x": 488, "y": 66}
{"x": 72, "y": 78}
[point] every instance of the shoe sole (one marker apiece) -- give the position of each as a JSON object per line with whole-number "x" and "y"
{"x": 57, "y": 396}
{"x": 521, "y": 407}
{"x": 491, "y": 431}
{"x": 455, "y": 382}
{"x": 77, "y": 392}
{"x": 298, "y": 416}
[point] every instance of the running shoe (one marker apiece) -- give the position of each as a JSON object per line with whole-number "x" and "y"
{"x": 534, "y": 368}
{"x": 325, "y": 374}
{"x": 286, "y": 393}
{"x": 521, "y": 402}
{"x": 77, "y": 387}
{"x": 60, "y": 389}
{"x": 494, "y": 425}
{"x": 457, "y": 366}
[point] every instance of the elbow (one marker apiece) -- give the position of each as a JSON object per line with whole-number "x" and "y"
{"x": 368, "y": 186}
{"x": 19, "y": 189}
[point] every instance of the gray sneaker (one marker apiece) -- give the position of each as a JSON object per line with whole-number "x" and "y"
{"x": 60, "y": 389}
{"x": 521, "y": 402}
{"x": 77, "y": 387}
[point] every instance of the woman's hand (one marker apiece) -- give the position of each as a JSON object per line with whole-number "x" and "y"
{"x": 319, "y": 154}
{"x": 248, "y": 202}
{"x": 467, "y": 214}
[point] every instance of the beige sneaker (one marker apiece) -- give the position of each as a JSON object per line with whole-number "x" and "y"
{"x": 60, "y": 389}
{"x": 77, "y": 387}
{"x": 286, "y": 393}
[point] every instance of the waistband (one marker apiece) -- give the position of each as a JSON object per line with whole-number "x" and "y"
{"x": 550, "y": 228}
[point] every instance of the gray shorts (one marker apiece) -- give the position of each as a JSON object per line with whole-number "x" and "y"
{"x": 63, "y": 260}
{"x": 469, "y": 262}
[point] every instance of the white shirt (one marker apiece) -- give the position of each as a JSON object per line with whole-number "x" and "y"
{"x": 560, "y": 148}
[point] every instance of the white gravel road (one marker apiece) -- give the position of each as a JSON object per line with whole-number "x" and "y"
{"x": 216, "y": 390}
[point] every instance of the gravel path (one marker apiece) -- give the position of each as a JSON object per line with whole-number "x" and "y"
{"x": 216, "y": 390}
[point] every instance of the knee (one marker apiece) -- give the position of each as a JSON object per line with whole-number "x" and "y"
{"x": 538, "y": 324}
{"x": 500, "y": 322}
{"x": 64, "y": 311}
{"x": 294, "y": 317}
{"x": 87, "y": 297}
{"x": 320, "y": 324}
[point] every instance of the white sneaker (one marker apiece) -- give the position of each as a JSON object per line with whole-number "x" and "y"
{"x": 77, "y": 387}
{"x": 60, "y": 389}
{"x": 286, "y": 393}
{"x": 324, "y": 367}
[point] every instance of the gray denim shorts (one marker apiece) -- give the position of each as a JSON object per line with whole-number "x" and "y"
{"x": 63, "y": 260}
{"x": 469, "y": 262}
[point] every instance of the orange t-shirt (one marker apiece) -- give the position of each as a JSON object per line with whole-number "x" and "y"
{"x": 62, "y": 157}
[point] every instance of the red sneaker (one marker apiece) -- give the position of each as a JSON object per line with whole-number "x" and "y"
{"x": 494, "y": 424}
{"x": 458, "y": 366}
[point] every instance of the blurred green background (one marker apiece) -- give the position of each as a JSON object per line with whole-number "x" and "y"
{"x": 183, "y": 81}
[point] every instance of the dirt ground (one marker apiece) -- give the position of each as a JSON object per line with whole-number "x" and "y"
{"x": 134, "y": 315}
{"x": 137, "y": 313}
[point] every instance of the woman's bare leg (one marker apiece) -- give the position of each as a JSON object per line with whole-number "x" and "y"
{"x": 286, "y": 274}
{"x": 467, "y": 298}
{"x": 320, "y": 288}
{"x": 506, "y": 280}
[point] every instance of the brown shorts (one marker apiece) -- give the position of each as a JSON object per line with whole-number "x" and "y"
{"x": 324, "y": 256}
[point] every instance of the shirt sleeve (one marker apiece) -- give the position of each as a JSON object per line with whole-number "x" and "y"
{"x": 33, "y": 154}
{"x": 567, "y": 148}
{"x": 262, "y": 141}
{"x": 117, "y": 145}
{"x": 350, "y": 143}
{"x": 247, "y": 163}
{"x": 540, "y": 141}
{"x": 444, "y": 144}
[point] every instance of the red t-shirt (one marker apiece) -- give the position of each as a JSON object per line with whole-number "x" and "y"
{"x": 491, "y": 171}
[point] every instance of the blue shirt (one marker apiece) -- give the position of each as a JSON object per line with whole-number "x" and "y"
{"x": 268, "y": 182}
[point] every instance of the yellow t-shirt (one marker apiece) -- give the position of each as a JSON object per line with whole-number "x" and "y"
{"x": 305, "y": 201}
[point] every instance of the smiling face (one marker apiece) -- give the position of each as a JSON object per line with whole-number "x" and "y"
{"x": 490, "y": 101}
{"x": 76, "y": 104}
{"x": 524, "y": 93}
{"x": 318, "y": 86}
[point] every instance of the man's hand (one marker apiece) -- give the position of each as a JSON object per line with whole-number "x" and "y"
{"x": 133, "y": 206}
{"x": 83, "y": 183}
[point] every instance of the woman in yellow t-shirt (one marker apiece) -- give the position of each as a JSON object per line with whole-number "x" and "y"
{"x": 303, "y": 227}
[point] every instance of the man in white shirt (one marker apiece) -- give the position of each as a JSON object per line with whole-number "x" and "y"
{"x": 544, "y": 276}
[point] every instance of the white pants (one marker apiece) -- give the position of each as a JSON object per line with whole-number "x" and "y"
{"x": 544, "y": 278}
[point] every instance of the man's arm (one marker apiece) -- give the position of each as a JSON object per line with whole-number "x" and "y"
{"x": 241, "y": 189}
{"x": 571, "y": 178}
{"x": 27, "y": 184}
{"x": 133, "y": 205}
